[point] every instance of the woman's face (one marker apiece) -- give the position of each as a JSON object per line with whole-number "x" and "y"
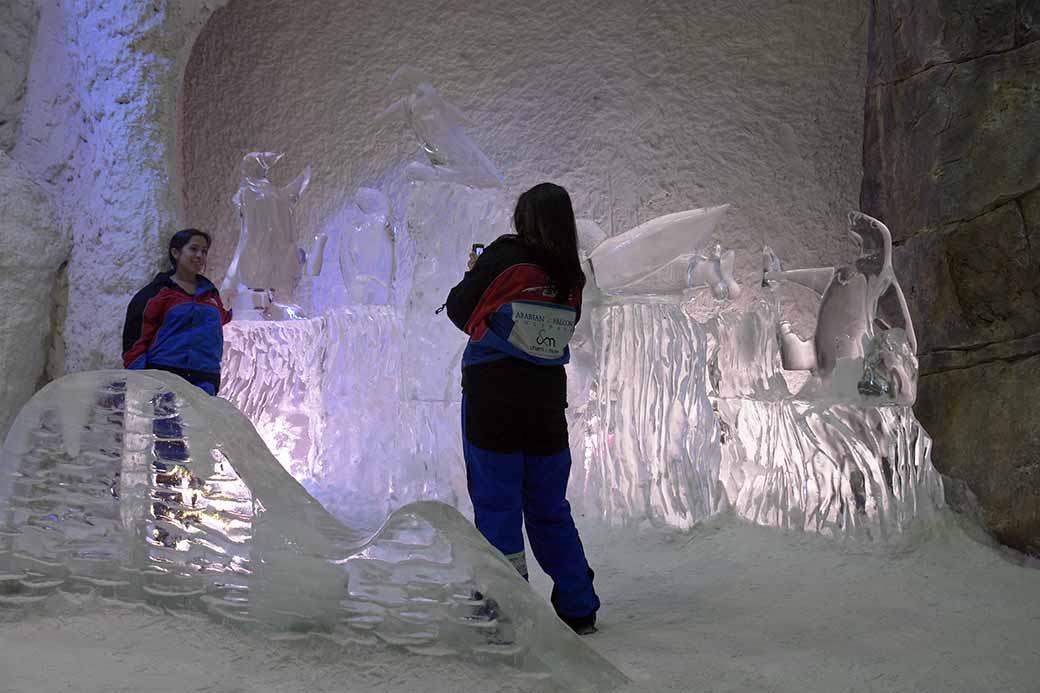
{"x": 192, "y": 257}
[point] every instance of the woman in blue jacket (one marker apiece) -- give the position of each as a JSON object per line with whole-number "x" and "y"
{"x": 519, "y": 303}
{"x": 176, "y": 322}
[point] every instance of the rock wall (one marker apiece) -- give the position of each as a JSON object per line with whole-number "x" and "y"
{"x": 952, "y": 164}
{"x": 34, "y": 247}
{"x": 18, "y": 20}
{"x": 97, "y": 129}
{"x": 638, "y": 109}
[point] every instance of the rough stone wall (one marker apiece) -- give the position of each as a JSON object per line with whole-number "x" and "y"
{"x": 951, "y": 163}
{"x": 34, "y": 247}
{"x": 18, "y": 19}
{"x": 638, "y": 108}
{"x": 97, "y": 131}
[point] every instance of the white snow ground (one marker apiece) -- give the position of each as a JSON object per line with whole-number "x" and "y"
{"x": 728, "y": 607}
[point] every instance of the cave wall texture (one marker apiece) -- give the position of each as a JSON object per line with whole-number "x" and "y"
{"x": 951, "y": 163}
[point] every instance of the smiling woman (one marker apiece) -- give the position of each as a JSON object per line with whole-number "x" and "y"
{"x": 176, "y": 323}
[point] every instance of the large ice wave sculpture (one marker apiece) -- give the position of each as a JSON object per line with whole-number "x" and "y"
{"x": 439, "y": 126}
{"x": 666, "y": 255}
{"x": 366, "y": 250}
{"x": 139, "y": 487}
{"x": 268, "y": 257}
{"x": 864, "y": 340}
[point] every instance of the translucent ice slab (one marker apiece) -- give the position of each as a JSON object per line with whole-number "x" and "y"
{"x": 325, "y": 394}
{"x": 366, "y": 249}
{"x": 139, "y": 487}
{"x": 443, "y": 221}
{"x": 651, "y": 438}
{"x": 621, "y": 262}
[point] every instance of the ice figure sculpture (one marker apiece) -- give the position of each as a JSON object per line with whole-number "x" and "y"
{"x": 366, "y": 250}
{"x": 438, "y": 124}
{"x": 268, "y": 261}
{"x": 139, "y": 487}
{"x": 858, "y": 304}
{"x": 666, "y": 255}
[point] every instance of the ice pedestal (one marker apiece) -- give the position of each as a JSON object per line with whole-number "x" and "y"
{"x": 141, "y": 488}
{"x": 686, "y": 419}
{"x": 325, "y": 394}
{"x": 650, "y": 438}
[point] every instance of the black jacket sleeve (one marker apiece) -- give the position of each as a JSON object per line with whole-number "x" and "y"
{"x": 464, "y": 298}
{"x": 135, "y": 315}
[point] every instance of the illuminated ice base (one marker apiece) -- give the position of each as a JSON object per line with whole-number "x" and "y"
{"x": 138, "y": 487}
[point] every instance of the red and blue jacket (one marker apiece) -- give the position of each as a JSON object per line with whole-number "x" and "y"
{"x": 518, "y": 332}
{"x": 168, "y": 329}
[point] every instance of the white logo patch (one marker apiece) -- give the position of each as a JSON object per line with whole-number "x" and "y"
{"x": 541, "y": 329}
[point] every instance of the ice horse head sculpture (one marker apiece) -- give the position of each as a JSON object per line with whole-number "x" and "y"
{"x": 864, "y": 341}
{"x": 268, "y": 257}
{"x": 667, "y": 255}
{"x": 438, "y": 124}
{"x": 138, "y": 487}
{"x": 366, "y": 249}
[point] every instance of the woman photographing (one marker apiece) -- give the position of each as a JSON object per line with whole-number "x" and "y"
{"x": 519, "y": 303}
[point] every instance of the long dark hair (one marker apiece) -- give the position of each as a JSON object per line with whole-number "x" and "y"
{"x": 544, "y": 221}
{"x": 183, "y": 238}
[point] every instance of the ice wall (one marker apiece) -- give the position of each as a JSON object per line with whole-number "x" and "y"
{"x": 141, "y": 488}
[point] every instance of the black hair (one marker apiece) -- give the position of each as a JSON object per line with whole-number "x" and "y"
{"x": 183, "y": 238}
{"x": 544, "y": 222}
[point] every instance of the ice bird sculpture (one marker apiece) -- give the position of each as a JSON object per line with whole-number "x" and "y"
{"x": 863, "y": 320}
{"x": 439, "y": 126}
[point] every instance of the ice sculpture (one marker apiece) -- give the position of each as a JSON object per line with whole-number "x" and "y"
{"x": 267, "y": 257}
{"x": 858, "y": 303}
{"x": 438, "y": 124}
{"x": 138, "y": 487}
{"x": 366, "y": 250}
{"x": 666, "y": 255}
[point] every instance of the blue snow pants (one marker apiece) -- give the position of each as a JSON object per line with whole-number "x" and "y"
{"x": 512, "y": 489}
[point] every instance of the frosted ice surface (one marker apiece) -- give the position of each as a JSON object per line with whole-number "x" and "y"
{"x": 651, "y": 437}
{"x": 439, "y": 126}
{"x": 658, "y": 252}
{"x": 169, "y": 497}
{"x": 325, "y": 394}
{"x": 443, "y": 222}
{"x": 366, "y": 250}
{"x": 268, "y": 254}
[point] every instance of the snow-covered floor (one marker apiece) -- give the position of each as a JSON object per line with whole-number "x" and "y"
{"x": 729, "y": 607}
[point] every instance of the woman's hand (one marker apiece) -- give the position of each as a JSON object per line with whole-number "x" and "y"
{"x": 472, "y": 260}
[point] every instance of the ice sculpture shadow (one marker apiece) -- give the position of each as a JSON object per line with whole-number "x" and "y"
{"x": 438, "y": 124}
{"x": 864, "y": 345}
{"x": 138, "y": 487}
{"x": 268, "y": 261}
